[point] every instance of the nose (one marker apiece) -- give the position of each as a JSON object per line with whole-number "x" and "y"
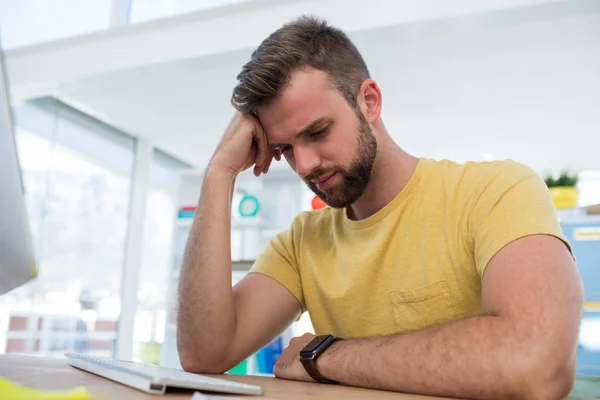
{"x": 306, "y": 160}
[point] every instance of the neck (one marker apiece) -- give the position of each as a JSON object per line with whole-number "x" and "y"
{"x": 391, "y": 172}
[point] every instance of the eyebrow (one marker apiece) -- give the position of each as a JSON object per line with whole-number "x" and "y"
{"x": 308, "y": 129}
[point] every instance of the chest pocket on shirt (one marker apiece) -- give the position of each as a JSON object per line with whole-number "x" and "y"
{"x": 421, "y": 307}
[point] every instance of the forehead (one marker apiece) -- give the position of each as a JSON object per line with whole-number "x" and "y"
{"x": 308, "y": 96}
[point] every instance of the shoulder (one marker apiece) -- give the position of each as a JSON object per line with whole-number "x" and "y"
{"x": 309, "y": 228}
{"x": 496, "y": 179}
{"x": 500, "y": 171}
{"x": 485, "y": 176}
{"x": 314, "y": 220}
{"x": 483, "y": 170}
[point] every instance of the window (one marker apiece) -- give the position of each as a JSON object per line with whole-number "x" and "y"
{"x": 26, "y": 22}
{"x": 146, "y": 10}
{"x": 157, "y": 259}
{"x": 77, "y": 180}
{"x": 589, "y": 188}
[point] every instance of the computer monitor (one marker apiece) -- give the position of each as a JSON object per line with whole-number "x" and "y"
{"x": 17, "y": 258}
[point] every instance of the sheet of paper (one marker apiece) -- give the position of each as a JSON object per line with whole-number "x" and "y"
{"x": 13, "y": 391}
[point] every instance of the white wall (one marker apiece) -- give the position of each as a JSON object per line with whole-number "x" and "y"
{"x": 529, "y": 92}
{"x": 39, "y": 70}
{"x": 524, "y": 89}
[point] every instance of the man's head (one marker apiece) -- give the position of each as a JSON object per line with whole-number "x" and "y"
{"x": 311, "y": 90}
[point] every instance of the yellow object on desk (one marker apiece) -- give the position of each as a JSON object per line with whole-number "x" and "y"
{"x": 11, "y": 391}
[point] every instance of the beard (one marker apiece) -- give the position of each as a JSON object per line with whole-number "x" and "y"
{"x": 356, "y": 177}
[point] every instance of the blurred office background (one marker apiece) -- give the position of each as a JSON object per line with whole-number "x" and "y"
{"x": 120, "y": 103}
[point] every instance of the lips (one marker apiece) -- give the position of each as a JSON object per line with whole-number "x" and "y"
{"x": 325, "y": 182}
{"x": 323, "y": 179}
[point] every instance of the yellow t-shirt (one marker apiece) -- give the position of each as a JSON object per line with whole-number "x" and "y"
{"x": 417, "y": 262}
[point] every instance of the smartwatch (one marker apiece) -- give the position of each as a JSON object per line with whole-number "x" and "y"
{"x": 312, "y": 351}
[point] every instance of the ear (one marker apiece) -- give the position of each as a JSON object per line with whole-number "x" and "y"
{"x": 369, "y": 100}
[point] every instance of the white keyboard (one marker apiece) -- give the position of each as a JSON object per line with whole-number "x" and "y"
{"x": 153, "y": 379}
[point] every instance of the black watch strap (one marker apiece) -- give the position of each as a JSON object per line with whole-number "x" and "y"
{"x": 310, "y": 365}
{"x": 310, "y": 354}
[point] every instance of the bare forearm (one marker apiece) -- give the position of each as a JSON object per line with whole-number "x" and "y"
{"x": 206, "y": 316}
{"x": 482, "y": 357}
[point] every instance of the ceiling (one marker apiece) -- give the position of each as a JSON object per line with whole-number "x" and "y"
{"x": 523, "y": 84}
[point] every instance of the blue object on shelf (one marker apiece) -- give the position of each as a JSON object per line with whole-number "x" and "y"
{"x": 584, "y": 236}
{"x": 588, "y": 351}
{"x": 185, "y": 214}
{"x": 267, "y": 357}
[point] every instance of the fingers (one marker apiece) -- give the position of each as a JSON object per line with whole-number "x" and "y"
{"x": 270, "y": 159}
{"x": 258, "y": 169}
{"x": 263, "y": 146}
{"x": 264, "y": 167}
{"x": 264, "y": 154}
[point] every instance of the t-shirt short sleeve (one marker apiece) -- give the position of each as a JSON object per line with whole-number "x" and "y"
{"x": 278, "y": 261}
{"x": 514, "y": 202}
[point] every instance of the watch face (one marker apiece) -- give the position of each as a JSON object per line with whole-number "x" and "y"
{"x": 316, "y": 346}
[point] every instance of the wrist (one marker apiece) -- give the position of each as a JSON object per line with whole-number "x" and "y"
{"x": 217, "y": 171}
{"x": 312, "y": 354}
{"x": 219, "y": 181}
{"x": 326, "y": 363}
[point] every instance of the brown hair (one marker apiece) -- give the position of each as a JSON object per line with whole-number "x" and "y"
{"x": 307, "y": 41}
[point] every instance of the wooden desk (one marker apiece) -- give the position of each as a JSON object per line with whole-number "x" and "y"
{"x": 45, "y": 373}
{"x": 57, "y": 374}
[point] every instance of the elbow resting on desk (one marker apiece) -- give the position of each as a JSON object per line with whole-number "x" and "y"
{"x": 200, "y": 366}
{"x": 205, "y": 359}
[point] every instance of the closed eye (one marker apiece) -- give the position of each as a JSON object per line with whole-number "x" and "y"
{"x": 285, "y": 149}
{"x": 320, "y": 133}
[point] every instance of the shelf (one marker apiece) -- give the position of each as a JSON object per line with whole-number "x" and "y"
{"x": 184, "y": 222}
{"x": 237, "y": 265}
{"x": 236, "y": 223}
{"x": 64, "y": 335}
{"x": 242, "y": 265}
{"x": 282, "y": 194}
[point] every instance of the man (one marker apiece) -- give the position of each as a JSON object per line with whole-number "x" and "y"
{"x": 430, "y": 276}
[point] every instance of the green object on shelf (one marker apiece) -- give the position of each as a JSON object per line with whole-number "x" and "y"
{"x": 248, "y": 206}
{"x": 240, "y": 369}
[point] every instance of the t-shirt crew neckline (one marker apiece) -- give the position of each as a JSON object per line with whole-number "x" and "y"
{"x": 400, "y": 198}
